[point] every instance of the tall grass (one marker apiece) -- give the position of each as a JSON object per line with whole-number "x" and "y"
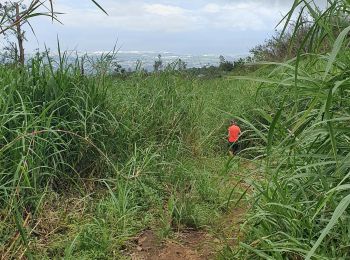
{"x": 52, "y": 121}
{"x": 88, "y": 161}
{"x": 301, "y": 208}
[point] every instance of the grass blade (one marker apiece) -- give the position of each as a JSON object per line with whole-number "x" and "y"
{"x": 336, "y": 48}
{"x": 99, "y": 6}
{"x": 343, "y": 205}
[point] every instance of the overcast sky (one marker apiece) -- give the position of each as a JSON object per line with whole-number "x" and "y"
{"x": 183, "y": 26}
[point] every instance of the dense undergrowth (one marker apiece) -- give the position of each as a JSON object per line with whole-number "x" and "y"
{"x": 87, "y": 162}
{"x": 300, "y": 208}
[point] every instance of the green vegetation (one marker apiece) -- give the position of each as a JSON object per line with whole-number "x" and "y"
{"x": 88, "y": 162}
{"x": 300, "y": 208}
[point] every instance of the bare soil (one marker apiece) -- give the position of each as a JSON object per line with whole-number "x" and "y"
{"x": 189, "y": 244}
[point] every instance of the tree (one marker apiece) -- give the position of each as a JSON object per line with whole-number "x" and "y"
{"x": 158, "y": 64}
{"x": 225, "y": 65}
{"x": 13, "y": 15}
{"x": 288, "y": 43}
{"x": 13, "y": 51}
{"x": 34, "y": 8}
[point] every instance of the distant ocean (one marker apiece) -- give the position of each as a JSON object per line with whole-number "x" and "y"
{"x": 129, "y": 59}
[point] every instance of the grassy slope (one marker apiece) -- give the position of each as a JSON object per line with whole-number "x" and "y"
{"x": 167, "y": 167}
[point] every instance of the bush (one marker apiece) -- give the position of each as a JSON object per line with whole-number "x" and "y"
{"x": 225, "y": 65}
{"x": 284, "y": 45}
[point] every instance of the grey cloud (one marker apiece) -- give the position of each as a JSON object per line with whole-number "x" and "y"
{"x": 178, "y": 16}
{"x": 192, "y": 22}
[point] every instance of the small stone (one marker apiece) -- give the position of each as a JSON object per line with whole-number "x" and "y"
{"x": 139, "y": 248}
{"x": 216, "y": 240}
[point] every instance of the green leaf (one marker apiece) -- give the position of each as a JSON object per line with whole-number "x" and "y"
{"x": 336, "y": 215}
{"x": 336, "y": 48}
{"x": 256, "y": 251}
{"x": 272, "y": 128}
{"x": 329, "y": 124}
{"x": 257, "y": 131}
{"x": 261, "y": 80}
{"x": 340, "y": 188}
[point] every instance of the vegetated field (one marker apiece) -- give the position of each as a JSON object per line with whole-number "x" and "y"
{"x": 93, "y": 165}
{"x": 89, "y": 162}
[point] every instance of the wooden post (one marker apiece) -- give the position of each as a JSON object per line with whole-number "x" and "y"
{"x": 19, "y": 36}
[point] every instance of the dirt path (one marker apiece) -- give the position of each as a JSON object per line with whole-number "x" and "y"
{"x": 189, "y": 244}
{"x": 192, "y": 244}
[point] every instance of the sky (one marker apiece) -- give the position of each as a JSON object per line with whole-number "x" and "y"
{"x": 230, "y": 27}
